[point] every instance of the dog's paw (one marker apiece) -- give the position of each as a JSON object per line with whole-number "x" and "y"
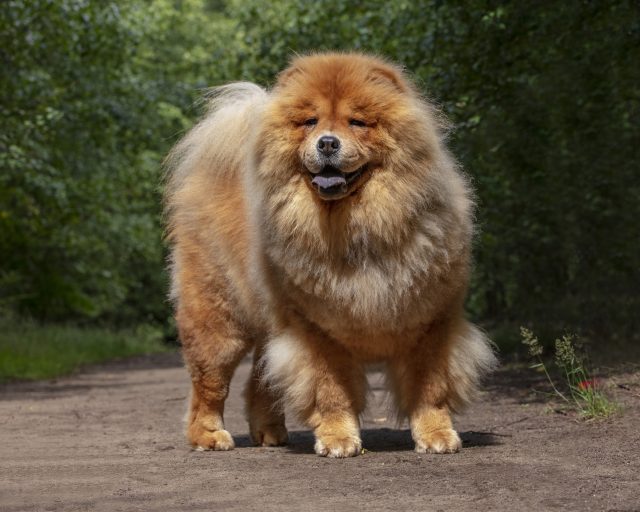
{"x": 218, "y": 440}
{"x": 445, "y": 440}
{"x": 269, "y": 435}
{"x": 338, "y": 447}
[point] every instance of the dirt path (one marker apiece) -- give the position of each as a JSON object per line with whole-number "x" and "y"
{"x": 110, "y": 439}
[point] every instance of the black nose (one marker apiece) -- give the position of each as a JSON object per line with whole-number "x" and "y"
{"x": 328, "y": 145}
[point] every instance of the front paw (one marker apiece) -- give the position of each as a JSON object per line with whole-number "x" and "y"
{"x": 338, "y": 447}
{"x": 445, "y": 440}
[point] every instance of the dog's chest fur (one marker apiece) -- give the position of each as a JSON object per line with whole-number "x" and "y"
{"x": 370, "y": 289}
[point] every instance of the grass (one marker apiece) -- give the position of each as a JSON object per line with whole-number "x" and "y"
{"x": 578, "y": 389}
{"x": 32, "y": 351}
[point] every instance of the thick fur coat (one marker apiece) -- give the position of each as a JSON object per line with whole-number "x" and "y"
{"x": 324, "y": 223}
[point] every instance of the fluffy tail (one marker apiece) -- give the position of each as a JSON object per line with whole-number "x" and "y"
{"x": 210, "y": 149}
{"x": 471, "y": 357}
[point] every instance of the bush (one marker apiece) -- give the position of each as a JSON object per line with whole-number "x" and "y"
{"x": 545, "y": 100}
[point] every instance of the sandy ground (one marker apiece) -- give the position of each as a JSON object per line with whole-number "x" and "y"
{"x": 111, "y": 439}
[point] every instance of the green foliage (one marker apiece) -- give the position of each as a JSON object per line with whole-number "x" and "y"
{"x": 76, "y": 215}
{"x": 92, "y": 94}
{"x": 32, "y": 351}
{"x": 545, "y": 100}
{"x": 584, "y": 394}
{"x": 544, "y": 97}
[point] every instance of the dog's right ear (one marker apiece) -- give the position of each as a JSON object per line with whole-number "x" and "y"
{"x": 287, "y": 75}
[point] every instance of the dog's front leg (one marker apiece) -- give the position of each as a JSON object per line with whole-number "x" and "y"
{"x": 425, "y": 381}
{"x": 441, "y": 374}
{"x": 322, "y": 383}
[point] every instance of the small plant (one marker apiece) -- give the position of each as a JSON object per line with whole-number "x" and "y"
{"x": 583, "y": 393}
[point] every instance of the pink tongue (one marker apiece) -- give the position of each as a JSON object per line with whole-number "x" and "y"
{"x": 328, "y": 181}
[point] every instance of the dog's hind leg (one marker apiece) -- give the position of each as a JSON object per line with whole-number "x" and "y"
{"x": 213, "y": 343}
{"x": 264, "y": 406}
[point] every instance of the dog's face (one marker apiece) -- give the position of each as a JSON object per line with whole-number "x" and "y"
{"x": 335, "y": 119}
{"x": 336, "y": 149}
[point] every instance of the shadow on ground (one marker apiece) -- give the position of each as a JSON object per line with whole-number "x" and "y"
{"x": 378, "y": 440}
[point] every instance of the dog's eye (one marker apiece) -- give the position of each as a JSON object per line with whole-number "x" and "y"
{"x": 357, "y": 122}
{"x": 312, "y": 121}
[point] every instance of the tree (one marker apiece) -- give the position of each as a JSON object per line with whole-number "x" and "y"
{"x": 545, "y": 103}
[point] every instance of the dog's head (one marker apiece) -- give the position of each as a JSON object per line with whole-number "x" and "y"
{"x": 338, "y": 119}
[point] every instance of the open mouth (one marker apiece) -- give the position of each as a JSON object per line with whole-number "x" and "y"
{"x": 333, "y": 183}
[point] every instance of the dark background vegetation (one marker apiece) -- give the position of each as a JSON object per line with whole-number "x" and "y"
{"x": 544, "y": 98}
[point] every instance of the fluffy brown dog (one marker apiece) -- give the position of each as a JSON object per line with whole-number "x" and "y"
{"x": 324, "y": 223}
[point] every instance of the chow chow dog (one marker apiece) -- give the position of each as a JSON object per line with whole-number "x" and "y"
{"x": 323, "y": 224}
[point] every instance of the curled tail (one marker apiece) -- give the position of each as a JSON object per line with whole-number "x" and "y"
{"x": 213, "y": 147}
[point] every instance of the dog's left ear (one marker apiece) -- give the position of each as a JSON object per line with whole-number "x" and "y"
{"x": 389, "y": 74}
